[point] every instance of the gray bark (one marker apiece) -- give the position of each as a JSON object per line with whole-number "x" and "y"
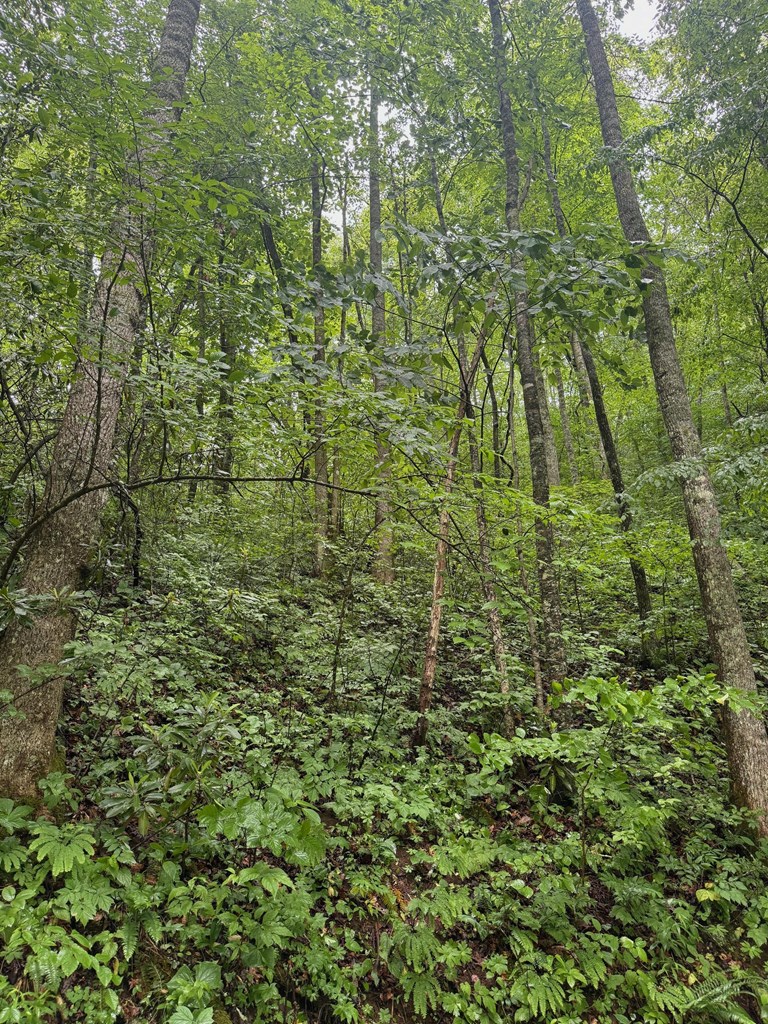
{"x": 59, "y": 550}
{"x": 321, "y": 450}
{"x": 384, "y": 569}
{"x": 745, "y": 735}
{"x": 554, "y": 655}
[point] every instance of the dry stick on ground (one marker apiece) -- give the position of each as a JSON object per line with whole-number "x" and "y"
{"x": 745, "y": 734}
{"x": 58, "y": 554}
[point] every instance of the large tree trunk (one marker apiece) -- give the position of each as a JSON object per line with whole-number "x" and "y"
{"x": 384, "y": 568}
{"x": 745, "y": 735}
{"x": 554, "y": 655}
{"x": 59, "y": 550}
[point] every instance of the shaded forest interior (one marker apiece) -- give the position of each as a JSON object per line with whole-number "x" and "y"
{"x": 384, "y": 508}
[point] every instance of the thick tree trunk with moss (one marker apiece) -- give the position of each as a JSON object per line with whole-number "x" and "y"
{"x": 68, "y": 523}
{"x": 745, "y": 735}
{"x": 554, "y": 655}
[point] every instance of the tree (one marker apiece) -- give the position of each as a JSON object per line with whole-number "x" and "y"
{"x": 66, "y": 525}
{"x": 745, "y": 734}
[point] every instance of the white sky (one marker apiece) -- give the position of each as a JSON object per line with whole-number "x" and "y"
{"x": 639, "y": 21}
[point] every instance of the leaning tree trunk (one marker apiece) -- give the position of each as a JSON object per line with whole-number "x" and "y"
{"x": 590, "y": 383}
{"x": 745, "y": 735}
{"x": 554, "y": 660}
{"x": 642, "y": 590}
{"x": 68, "y": 523}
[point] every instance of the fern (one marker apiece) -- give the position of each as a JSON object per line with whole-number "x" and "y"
{"x": 419, "y": 946}
{"x": 714, "y": 1000}
{"x": 128, "y": 934}
{"x": 423, "y": 991}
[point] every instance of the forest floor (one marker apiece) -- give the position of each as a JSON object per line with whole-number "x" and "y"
{"x": 243, "y": 833}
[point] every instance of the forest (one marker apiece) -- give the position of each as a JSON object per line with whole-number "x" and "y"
{"x": 383, "y": 511}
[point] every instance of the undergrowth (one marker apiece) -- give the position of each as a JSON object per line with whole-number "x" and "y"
{"x": 243, "y": 833}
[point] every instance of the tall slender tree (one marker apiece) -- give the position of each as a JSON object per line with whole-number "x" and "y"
{"x": 745, "y": 734}
{"x": 548, "y": 586}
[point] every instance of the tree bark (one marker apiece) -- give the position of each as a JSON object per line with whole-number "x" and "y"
{"x": 441, "y": 549}
{"x": 642, "y": 591}
{"x": 554, "y": 655}
{"x": 225, "y": 455}
{"x": 745, "y": 735}
{"x": 488, "y": 578}
{"x": 550, "y": 448}
{"x": 321, "y": 450}
{"x": 384, "y": 568}
{"x": 565, "y": 424}
{"x": 59, "y": 550}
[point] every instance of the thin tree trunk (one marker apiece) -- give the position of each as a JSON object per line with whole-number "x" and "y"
{"x": 745, "y": 735}
{"x": 550, "y": 448}
{"x": 384, "y": 569}
{"x": 441, "y": 550}
{"x": 495, "y": 418}
{"x": 202, "y": 327}
{"x": 554, "y": 659}
{"x": 488, "y": 578}
{"x": 642, "y": 591}
{"x": 59, "y": 550}
{"x": 223, "y": 462}
{"x": 321, "y": 451}
{"x": 578, "y": 361}
{"x": 565, "y": 423}
{"x": 533, "y": 631}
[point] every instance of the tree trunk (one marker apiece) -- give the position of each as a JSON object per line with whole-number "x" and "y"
{"x": 565, "y": 423}
{"x": 384, "y": 569}
{"x": 321, "y": 451}
{"x": 441, "y": 550}
{"x": 488, "y": 579}
{"x": 59, "y": 550}
{"x": 201, "y": 343}
{"x": 225, "y": 456}
{"x": 554, "y": 659}
{"x": 550, "y": 448}
{"x": 642, "y": 591}
{"x": 745, "y": 735}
